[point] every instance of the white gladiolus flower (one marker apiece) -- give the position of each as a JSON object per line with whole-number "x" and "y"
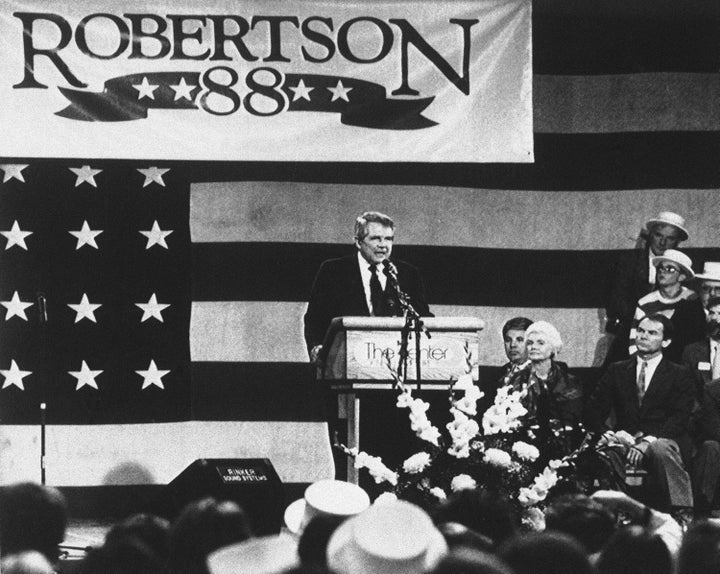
{"x": 498, "y": 457}
{"x": 464, "y": 382}
{"x": 417, "y": 463}
{"x": 462, "y": 482}
{"x": 534, "y": 519}
{"x": 525, "y": 451}
{"x": 438, "y": 493}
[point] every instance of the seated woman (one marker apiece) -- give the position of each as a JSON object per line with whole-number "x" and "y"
{"x": 553, "y": 396}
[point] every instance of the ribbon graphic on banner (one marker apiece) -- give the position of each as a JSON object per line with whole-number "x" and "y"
{"x": 359, "y": 102}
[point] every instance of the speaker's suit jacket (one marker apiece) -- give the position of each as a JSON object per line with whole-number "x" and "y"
{"x": 666, "y": 406}
{"x": 693, "y": 355}
{"x": 338, "y": 291}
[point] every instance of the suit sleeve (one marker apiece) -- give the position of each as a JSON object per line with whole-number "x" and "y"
{"x": 599, "y": 404}
{"x": 416, "y": 292}
{"x": 689, "y": 362}
{"x": 681, "y": 403}
{"x": 710, "y": 414}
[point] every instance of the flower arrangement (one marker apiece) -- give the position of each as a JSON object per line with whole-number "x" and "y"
{"x": 501, "y": 454}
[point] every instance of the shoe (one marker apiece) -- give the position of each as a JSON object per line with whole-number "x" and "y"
{"x": 683, "y": 515}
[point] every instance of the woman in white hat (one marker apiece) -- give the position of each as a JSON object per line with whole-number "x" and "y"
{"x": 678, "y": 303}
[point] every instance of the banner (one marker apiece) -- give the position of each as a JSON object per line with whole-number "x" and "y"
{"x": 266, "y": 80}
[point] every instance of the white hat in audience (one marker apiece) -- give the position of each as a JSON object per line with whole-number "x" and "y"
{"x": 264, "y": 555}
{"x": 669, "y": 218}
{"x": 396, "y": 537}
{"x": 330, "y": 497}
{"x": 711, "y": 271}
{"x": 677, "y": 257}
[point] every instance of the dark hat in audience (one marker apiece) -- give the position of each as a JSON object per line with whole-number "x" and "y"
{"x": 678, "y": 258}
{"x": 328, "y": 497}
{"x": 263, "y": 555}
{"x": 396, "y": 537}
{"x": 669, "y": 218}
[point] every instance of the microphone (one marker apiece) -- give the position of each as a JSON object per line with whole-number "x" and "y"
{"x": 42, "y": 308}
{"x": 390, "y": 270}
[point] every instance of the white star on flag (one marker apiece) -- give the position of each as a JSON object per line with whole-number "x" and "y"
{"x": 156, "y": 236}
{"x": 15, "y": 307}
{"x": 301, "y": 91}
{"x": 84, "y": 309}
{"x": 145, "y": 89}
{"x": 85, "y": 174}
{"x": 152, "y": 309}
{"x": 14, "y": 376}
{"x": 339, "y": 92}
{"x": 182, "y": 90}
{"x": 153, "y": 376}
{"x": 13, "y": 170}
{"x": 85, "y": 377}
{"x": 16, "y": 236}
{"x": 86, "y": 236}
{"x": 153, "y": 174}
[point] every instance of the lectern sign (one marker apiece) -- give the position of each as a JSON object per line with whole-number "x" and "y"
{"x": 442, "y": 357}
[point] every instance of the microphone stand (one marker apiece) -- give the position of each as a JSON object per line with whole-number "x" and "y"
{"x": 413, "y": 323}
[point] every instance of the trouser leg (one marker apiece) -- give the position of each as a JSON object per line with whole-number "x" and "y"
{"x": 705, "y": 473}
{"x": 667, "y": 473}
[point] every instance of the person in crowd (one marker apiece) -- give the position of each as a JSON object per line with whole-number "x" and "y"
{"x": 545, "y": 552}
{"x": 153, "y": 531}
{"x": 706, "y": 462}
{"x": 32, "y": 517}
{"x": 709, "y": 281}
{"x": 513, "y": 334}
{"x": 634, "y": 277}
{"x": 552, "y": 393}
{"x": 121, "y": 554}
{"x": 635, "y": 550}
{"x": 483, "y": 513}
{"x": 652, "y": 399}
{"x": 27, "y": 562}
{"x": 703, "y": 357}
{"x": 586, "y": 519}
{"x": 675, "y": 301}
{"x": 364, "y": 283}
{"x": 464, "y": 560}
{"x": 700, "y": 549}
{"x": 203, "y": 526}
{"x": 460, "y": 536}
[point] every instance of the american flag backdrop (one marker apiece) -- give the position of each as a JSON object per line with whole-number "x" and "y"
{"x": 176, "y": 332}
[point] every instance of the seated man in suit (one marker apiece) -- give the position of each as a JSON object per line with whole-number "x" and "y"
{"x": 364, "y": 283}
{"x": 709, "y": 282}
{"x": 703, "y": 357}
{"x": 652, "y": 399}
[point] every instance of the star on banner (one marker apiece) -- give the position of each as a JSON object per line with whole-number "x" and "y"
{"x": 339, "y": 92}
{"x": 85, "y": 174}
{"x": 16, "y": 236}
{"x": 14, "y": 376}
{"x": 182, "y": 90}
{"x": 301, "y": 91}
{"x": 152, "y": 309}
{"x": 153, "y": 376}
{"x": 85, "y": 377}
{"x": 15, "y": 307}
{"x": 153, "y": 174}
{"x": 145, "y": 89}
{"x": 85, "y": 309}
{"x": 13, "y": 171}
{"x": 156, "y": 236}
{"x": 86, "y": 236}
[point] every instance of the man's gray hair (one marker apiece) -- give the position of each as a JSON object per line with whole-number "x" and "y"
{"x": 362, "y": 222}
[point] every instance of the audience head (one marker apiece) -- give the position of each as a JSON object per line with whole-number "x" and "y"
{"x": 32, "y": 517}
{"x": 483, "y": 512}
{"x": 635, "y": 550}
{"x": 545, "y": 552}
{"x": 713, "y": 318}
{"x": 700, "y": 549}
{"x": 460, "y": 536}
{"x": 203, "y": 526}
{"x": 27, "y": 562}
{"x": 120, "y": 554}
{"x": 673, "y": 267}
{"x": 470, "y": 561}
{"x": 582, "y": 517}
{"x": 710, "y": 281}
{"x": 263, "y": 555}
{"x": 665, "y": 231}
{"x": 513, "y": 333}
{"x": 654, "y": 333}
{"x": 395, "y": 536}
{"x": 543, "y": 341}
{"x": 151, "y": 530}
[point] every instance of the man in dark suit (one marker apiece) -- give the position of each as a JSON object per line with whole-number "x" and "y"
{"x": 634, "y": 277}
{"x": 363, "y": 283}
{"x": 703, "y": 357}
{"x": 652, "y": 399}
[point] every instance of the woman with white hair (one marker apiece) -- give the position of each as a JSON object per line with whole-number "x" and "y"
{"x": 551, "y": 392}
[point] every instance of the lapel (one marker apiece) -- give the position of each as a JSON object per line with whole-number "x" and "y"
{"x": 703, "y": 356}
{"x": 357, "y": 288}
{"x": 631, "y": 382}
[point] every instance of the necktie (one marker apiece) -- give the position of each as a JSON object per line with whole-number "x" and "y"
{"x": 375, "y": 291}
{"x": 641, "y": 381}
{"x": 716, "y": 363}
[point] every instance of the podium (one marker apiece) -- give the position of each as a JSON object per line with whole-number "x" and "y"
{"x": 356, "y": 351}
